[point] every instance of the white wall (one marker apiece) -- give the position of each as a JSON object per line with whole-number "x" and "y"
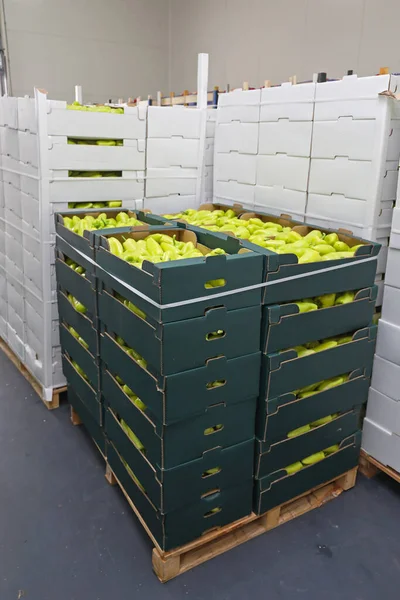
{"x": 254, "y": 40}
{"x": 122, "y": 48}
{"x": 114, "y": 48}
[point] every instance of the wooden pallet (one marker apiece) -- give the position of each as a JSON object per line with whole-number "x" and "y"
{"x": 168, "y": 565}
{"x": 369, "y": 467}
{"x": 55, "y": 401}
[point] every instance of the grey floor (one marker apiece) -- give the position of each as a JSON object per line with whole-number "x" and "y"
{"x": 66, "y": 535}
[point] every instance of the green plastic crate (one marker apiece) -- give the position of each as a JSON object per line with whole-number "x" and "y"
{"x": 182, "y": 345}
{"x": 85, "y": 243}
{"x": 189, "y": 522}
{"x": 89, "y": 363}
{"x": 82, "y": 323}
{"x": 278, "y": 455}
{"x": 82, "y": 388}
{"x": 284, "y": 326}
{"x": 170, "y": 489}
{"x": 278, "y": 488}
{"x": 167, "y": 446}
{"x": 165, "y": 284}
{"x": 183, "y": 395}
{"x": 82, "y": 287}
{"x": 276, "y": 416}
{"x": 284, "y": 372}
{"x": 91, "y": 425}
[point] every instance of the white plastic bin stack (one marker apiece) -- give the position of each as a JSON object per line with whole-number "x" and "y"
{"x": 284, "y": 149}
{"x": 21, "y": 231}
{"x": 175, "y": 157}
{"x": 35, "y": 164}
{"x": 354, "y": 158}
{"x": 236, "y": 147}
{"x": 381, "y": 436}
{"x": 208, "y": 169}
{"x": 3, "y": 281}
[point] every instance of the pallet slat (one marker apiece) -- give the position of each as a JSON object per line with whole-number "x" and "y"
{"x": 55, "y": 401}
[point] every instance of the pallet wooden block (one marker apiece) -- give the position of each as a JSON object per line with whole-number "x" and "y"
{"x": 369, "y": 467}
{"x": 168, "y": 565}
{"x": 55, "y": 401}
{"x": 75, "y": 418}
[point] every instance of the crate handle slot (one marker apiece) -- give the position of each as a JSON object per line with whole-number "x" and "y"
{"x": 211, "y": 493}
{"x": 215, "y": 335}
{"x": 213, "y": 511}
{"x": 212, "y": 430}
{"x": 211, "y": 472}
{"x": 215, "y": 283}
{"x": 211, "y": 385}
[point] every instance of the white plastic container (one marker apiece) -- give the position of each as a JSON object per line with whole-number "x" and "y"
{"x": 355, "y": 152}
{"x": 288, "y": 102}
{"x": 174, "y": 122}
{"x": 391, "y": 305}
{"x": 395, "y": 233}
{"x": 90, "y": 189}
{"x": 95, "y": 125}
{"x": 2, "y": 245}
{"x": 388, "y": 342}
{"x": 386, "y": 377}
{"x": 129, "y": 157}
{"x": 16, "y": 343}
{"x": 179, "y": 152}
{"x": 236, "y": 147}
{"x": 383, "y": 411}
{"x": 170, "y": 204}
{"x": 381, "y": 444}
{"x": 392, "y": 277}
{"x": 237, "y": 137}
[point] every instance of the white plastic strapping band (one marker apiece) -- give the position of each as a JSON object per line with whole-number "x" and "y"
{"x": 221, "y": 294}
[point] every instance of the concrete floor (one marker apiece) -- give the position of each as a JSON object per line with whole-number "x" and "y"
{"x": 66, "y": 535}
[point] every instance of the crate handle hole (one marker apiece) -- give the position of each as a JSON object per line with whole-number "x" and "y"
{"x": 211, "y": 472}
{"x": 213, "y": 511}
{"x": 212, "y": 430}
{"x": 215, "y": 384}
{"x": 210, "y": 493}
{"x": 215, "y": 335}
{"x": 215, "y": 283}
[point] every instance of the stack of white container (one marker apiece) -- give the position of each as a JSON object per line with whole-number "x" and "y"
{"x": 36, "y": 160}
{"x": 208, "y": 168}
{"x": 381, "y": 436}
{"x": 175, "y": 158}
{"x": 236, "y": 147}
{"x": 284, "y": 148}
{"x": 3, "y": 281}
{"x": 327, "y": 153}
{"x": 354, "y": 159}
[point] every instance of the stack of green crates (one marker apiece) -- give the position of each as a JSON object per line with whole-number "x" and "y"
{"x": 180, "y": 382}
{"x": 308, "y": 425}
{"x": 77, "y": 307}
{"x": 205, "y": 396}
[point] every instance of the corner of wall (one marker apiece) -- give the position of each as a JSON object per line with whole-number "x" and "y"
{"x": 170, "y": 44}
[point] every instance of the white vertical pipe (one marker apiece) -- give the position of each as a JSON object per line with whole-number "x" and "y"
{"x": 78, "y": 94}
{"x": 202, "y": 80}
